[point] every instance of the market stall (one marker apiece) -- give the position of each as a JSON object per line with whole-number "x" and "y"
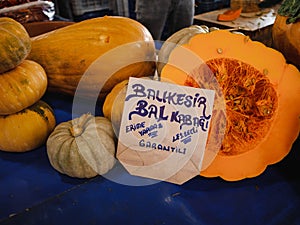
{"x": 261, "y": 186}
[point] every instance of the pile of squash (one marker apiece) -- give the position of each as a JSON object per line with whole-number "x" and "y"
{"x": 88, "y": 59}
{"x": 94, "y": 59}
{"x": 78, "y": 55}
{"x": 25, "y": 120}
{"x": 76, "y": 59}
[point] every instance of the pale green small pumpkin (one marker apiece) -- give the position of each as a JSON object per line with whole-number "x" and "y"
{"x": 83, "y": 147}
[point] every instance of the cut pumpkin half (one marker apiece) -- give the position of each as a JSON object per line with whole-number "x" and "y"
{"x": 261, "y": 93}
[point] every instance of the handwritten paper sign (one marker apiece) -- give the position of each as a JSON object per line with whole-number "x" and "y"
{"x": 164, "y": 130}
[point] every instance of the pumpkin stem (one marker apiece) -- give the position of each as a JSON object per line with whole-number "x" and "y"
{"x": 79, "y": 125}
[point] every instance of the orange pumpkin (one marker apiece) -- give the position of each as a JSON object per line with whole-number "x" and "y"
{"x": 262, "y": 100}
{"x": 21, "y": 87}
{"x": 114, "y": 104}
{"x": 15, "y": 44}
{"x": 28, "y": 129}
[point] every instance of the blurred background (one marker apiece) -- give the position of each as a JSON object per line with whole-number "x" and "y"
{"x": 77, "y": 10}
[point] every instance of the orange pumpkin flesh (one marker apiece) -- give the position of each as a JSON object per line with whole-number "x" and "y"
{"x": 230, "y": 14}
{"x": 262, "y": 96}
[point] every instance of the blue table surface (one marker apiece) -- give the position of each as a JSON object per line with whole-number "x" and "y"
{"x": 32, "y": 192}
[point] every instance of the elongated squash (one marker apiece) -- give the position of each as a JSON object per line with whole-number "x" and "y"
{"x": 97, "y": 53}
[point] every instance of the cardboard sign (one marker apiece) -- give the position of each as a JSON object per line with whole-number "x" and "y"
{"x": 164, "y": 130}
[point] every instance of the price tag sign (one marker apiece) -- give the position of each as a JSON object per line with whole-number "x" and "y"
{"x": 164, "y": 130}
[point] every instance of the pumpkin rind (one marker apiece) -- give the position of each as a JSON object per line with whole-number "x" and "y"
{"x": 22, "y": 87}
{"x": 275, "y": 143}
{"x": 15, "y": 44}
{"x": 84, "y": 154}
{"x": 67, "y": 53}
{"x": 28, "y": 129}
{"x": 181, "y": 37}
